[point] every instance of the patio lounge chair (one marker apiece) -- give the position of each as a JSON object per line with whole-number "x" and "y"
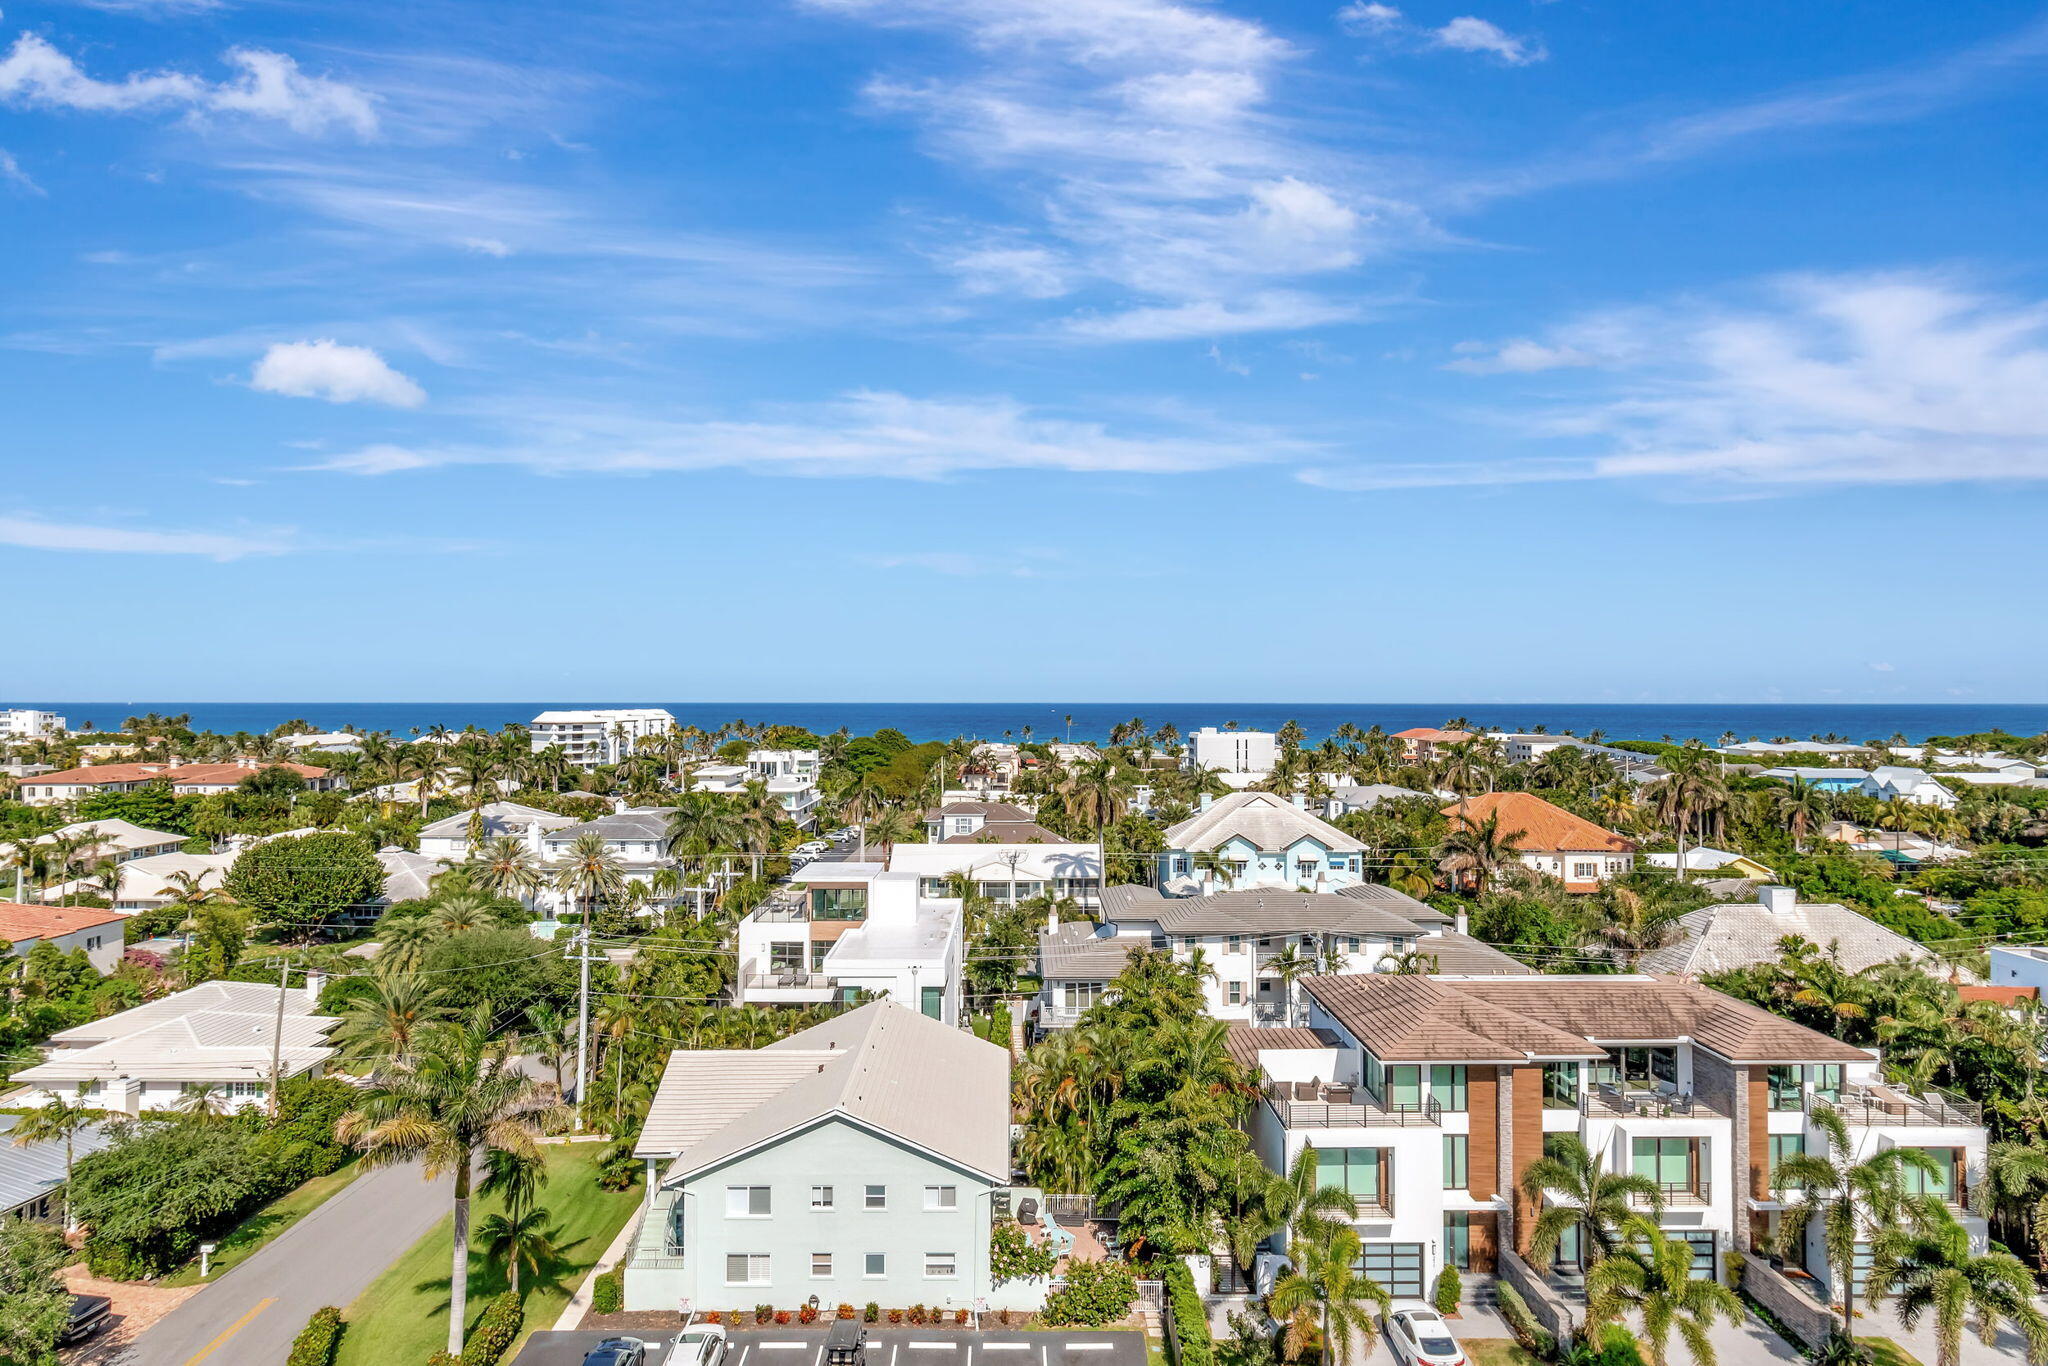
{"x": 1056, "y": 1238}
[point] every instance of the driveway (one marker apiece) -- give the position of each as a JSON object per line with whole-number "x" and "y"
{"x": 886, "y": 1347}
{"x": 252, "y": 1313}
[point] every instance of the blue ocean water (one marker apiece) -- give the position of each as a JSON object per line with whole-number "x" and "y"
{"x": 1092, "y": 720}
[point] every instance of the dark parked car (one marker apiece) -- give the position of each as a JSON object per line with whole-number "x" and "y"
{"x": 88, "y": 1316}
{"x": 845, "y": 1344}
{"x": 617, "y": 1352}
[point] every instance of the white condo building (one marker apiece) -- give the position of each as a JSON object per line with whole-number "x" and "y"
{"x": 600, "y": 736}
{"x": 20, "y": 723}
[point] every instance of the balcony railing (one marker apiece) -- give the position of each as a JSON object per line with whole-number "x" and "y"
{"x": 1877, "y": 1106}
{"x": 1680, "y": 1194}
{"x": 787, "y": 979}
{"x": 1304, "y": 1105}
{"x": 1605, "y": 1100}
{"x": 654, "y": 1243}
{"x": 789, "y": 911}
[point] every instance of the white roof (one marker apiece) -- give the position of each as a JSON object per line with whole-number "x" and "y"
{"x": 923, "y": 939}
{"x": 217, "y": 1031}
{"x": 1721, "y": 937}
{"x": 1699, "y": 858}
{"x": 147, "y": 879}
{"x": 557, "y": 718}
{"x": 500, "y": 818}
{"x": 993, "y": 862}
{"x": 115, "y": 833}
{"x": 219, "y": 996}
{"x": 882, "y": 1065}
{"x": 1266, "y": 819}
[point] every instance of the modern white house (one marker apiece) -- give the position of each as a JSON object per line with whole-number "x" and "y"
{"x": 1258, "y": 839}
{"x": 1239, "y": 757}
{"x": 450, "y": 838}
{"x": 22, "y": 723}
{"x": 324, "y": 742}
{"x": 95, "y": 933}
{"x": 2019, "y": 965}
{"x": 1916, "y": 785}
{"x": 1005, "y": 873}
{"x": 599, "y": 735}
{"x": 1428, "y": 1097}
{"x": 1253, "y": 946}
{"x": 790, "y": 782}
{"x": 122, "y": 841}
{"x": 216, "y": 1035}
{"x": 859, "y": 1160}
{"x": 843, "y": 928}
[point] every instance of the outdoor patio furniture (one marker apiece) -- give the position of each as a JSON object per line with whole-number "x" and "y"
{"x": 1057, "y": 1238}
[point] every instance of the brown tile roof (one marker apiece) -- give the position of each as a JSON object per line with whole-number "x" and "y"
{"x": 1244, "y": 1041}
{"x": 19, "y": 923}
{"x": 995, "y": 811}
{"x": 2004, "y": 996}
{"x": 1406, "y": 1018}
{"x": 1544, "y": 828}
{"x": 170, "y": 773}
{"x": 1008, "y": 832}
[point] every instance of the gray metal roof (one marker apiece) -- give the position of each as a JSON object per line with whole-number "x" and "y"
{"x": 500, "y": 818}
{"x": 1271, "y": 910}
{"x": 647, "y": 824}
{"x": 1267, "y": 820}
{"x": 31, "y": 1171}
{"x": 883, "y": 1065}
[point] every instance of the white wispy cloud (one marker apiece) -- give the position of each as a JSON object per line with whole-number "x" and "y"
{"x": 340, "y": 374}
{"x": 36, "y": 533}
{"x": 12, "y": 174}
{"x": 1140, "y": 141}
{"x": 1812, "y": 381}
{"x": 1366, "y": 17}
{"x": 1469, "y": 34}
{"x": 269, "y": 85}
{"x": 860, "y": 434}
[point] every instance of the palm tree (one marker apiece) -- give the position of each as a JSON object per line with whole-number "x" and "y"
{"x": 1305, "y": 1205}
{"x": 590, "y": 873}
{"x": 202, "y": 1101}
{"x": 1932, "y": 1269}
{"x": 56, "y": 1119}
{"x": 456, "y": 1097}
{"x": 1631, "y": 925}
{"x": 1598, "y": 1201}
{"x": 1290, "y": 965}
{"x": 519, "y": 1235}
{"x": 1849, "y": 1198}
{"x": 1474, "y": 854}
{"x": 1213, "y": 867}
{"x": 1651, "y": 1275}
{"x": 1324, "y": 1284}
{"x": 505, "y": 867}
{"x": 1800, "y": 807}
{"x": 385, "y": 1024}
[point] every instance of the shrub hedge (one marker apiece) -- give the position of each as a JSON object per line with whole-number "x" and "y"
{"x": 1096, "y": 1294}
{"x": 608, "y": 1292}
{"x": 1190, "y": 1336}
{"x": 316, "y": 1343}
{"x": 1450, "y": 1289}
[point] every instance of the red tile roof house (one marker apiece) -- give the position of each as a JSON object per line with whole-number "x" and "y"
{"x": 1423, "y": 742}
{"x": 186, "y": 780}
{"x": 1550, "y": 839}
{"x": 96, "y": 931}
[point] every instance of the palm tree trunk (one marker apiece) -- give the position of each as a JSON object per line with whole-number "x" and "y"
{"x": 458, "y": 1274}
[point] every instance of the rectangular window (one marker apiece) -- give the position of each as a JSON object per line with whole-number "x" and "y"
{"x": 1365, "y": 1174}
{"x": 1352, "y": 944}
{"x": 821, "y": 1197}
{"x": 1641, "y": 1069}
{"x": 942, "y": 1197}
{"x": 876, "y": 1264}
{"x": 1673, "y": 1163}
{"x": 1458, "y": 1239}
{"x": 1457, "y": 1148}
{"x": 875, "y": 1197}
{"x": 746, "y": 1268}
{"x": 1235, "y": 993}
{"x": 937, "y": 1264}
{"x": 839, "y": 903}
{"x": 933, "y": 888}
{"x": 1404, "y": 1087}
{"x": 1942, "y": 1184}
{"x": 1585, "y": 872}
{"x": 746, "y": 1202}
{"x": 1234, "y": 944}
{"x": 1447, "y": 1086}
{"x": 1080, "y": 995}
{"x": 1782, "y": 1085}
{"x": 821, "y": 1265}
{"x": 1784, "y": 1146}
{"x": 1375, "y": 1076}
{"x": 1827, "y": 1081}
{"x": 1560, "y": 1086}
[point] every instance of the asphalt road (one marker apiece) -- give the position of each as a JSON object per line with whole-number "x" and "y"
{"x": 886, "y": 1347}
{"x": 252, "y": 1313}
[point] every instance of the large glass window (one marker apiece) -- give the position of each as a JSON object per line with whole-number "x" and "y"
{"x": 1784, "y": 1146}
{"x": 1404, "y": 1087}
{"x": 1783, "y": 1086}
{"x": 1672, "y": 1163}
{"x": 839, "y": 903}
{"x": 1447, "y": 1086}
{"x": 1375, "y": 1077}
{"x": 1560, "y": 1086}
{"x": 1942, "y": 1184}
{"x": 1365, "y": 1174}
{"x": 932, "y": 1001}
{"x": 1457, "y": 1150}
{"x": 1827, "y": 1081}
{"x": 1641, "y": 1068}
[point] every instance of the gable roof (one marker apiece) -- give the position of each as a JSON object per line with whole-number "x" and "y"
{"x": 1266, "y": 819}
{"x": 1008, "y": 832}
{"x": 1406, "y": 1017}
{"x": 1731, "y": 935}
{"x": 1075, "y": 950}
{"x": 174, "y": 774}
{"x": 19, "y": 923}
{"x": 115, "y": 833}
{"x": 1544, "y": 828}
{"x": 500, "y": 818}
{"x": 29, "y": 1171}
{"x": 882, "y": 1065}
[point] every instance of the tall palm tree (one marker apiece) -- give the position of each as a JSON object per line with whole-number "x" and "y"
{"x": 458, "y": 1096}
{"x": 1475, "y": 854}
{"x": 1651, "y": 1275}
{"x": 1290, "y": 965}
{"x": 1325, "y": 1284}
{"x": 1800, "y": 807}
{"x": 1212, "y": 867}
{"x": 384, "y": 1025}
{"x": 518, "y": 1236}
{"x": 1630, "y": 925}
{"x": 1599, "y": 1202}
{"x": 590, "y": 873}
{"x": 1932, "y": 1270}
{"x": 56, "y": 1119}
{"x": 505, "y": 867}
{"x": 1849, "y": 1199}
{"x": 1306, "y": 1206}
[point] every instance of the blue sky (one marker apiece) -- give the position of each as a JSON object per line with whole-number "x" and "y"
{"x": 957, "y": 349}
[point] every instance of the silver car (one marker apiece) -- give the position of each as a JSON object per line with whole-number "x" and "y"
{"x": 701, "y": 1344}
{"x": 1419, "y": 1335}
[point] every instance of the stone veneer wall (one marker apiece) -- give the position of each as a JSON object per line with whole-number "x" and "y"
{"x": 1725, "y": 1087}
{"x": 1803, "y": 1316}
{"x": 1549, "y": 1307}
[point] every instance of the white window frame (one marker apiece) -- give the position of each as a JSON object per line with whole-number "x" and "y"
{"x": 739, "y": 1202}
{"x": 1584, "y": 871}
{"x": 822, "y": 1197}
{"x": 943, "y": 1198}
{"x": 816, "y": 1274}
{"x": 767, "y": 1272}
{"x": 867, "y": 1265}
{"x": 952, "y": 1264}
{"x": 870, "y": 1195}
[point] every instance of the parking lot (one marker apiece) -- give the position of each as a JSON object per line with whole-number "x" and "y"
{"x": 886, "y": 1347}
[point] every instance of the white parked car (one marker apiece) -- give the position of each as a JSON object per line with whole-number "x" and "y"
{"x": 1418, "y": 1334}
{"x": 813, "y": 847}
{"x": 701, "y": 1344}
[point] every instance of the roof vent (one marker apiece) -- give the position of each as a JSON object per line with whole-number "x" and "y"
{"x": 1778, "y": 900}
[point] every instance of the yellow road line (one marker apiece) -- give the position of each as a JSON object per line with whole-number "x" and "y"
{"x": 237, "y": 1326}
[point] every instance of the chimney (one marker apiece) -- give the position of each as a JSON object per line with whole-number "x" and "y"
{"x": 1300, "y": 802}
{"x": 1777, "y": 900}
{"x": 1205, "y": 803}
{"x": 1463, "y": 922}
{"x": 316, "y": 982}
{"x": 1052, "y": 922}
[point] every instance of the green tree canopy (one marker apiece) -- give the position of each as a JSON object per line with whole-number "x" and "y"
{"x": 306, "y": 880}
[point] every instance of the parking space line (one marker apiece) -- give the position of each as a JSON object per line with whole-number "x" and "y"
{"x": 743, "y": 1353}
{"x": 782, "y": 1346}
{"x": 1091, "y": 1347}
{"x": 1005, "y": 1346}
{"x": 935, "y": 1346}
{"x": 894, "y": 1348}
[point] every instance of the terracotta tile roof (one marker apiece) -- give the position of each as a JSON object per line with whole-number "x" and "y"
{"x": 2004, "y": 996}
{"x": 19, "y": 923}
{"x": 1545, "y": 829}
{"x": 1433, "y": 735}
{"x": 170, "y": 773}
{"x": 1244, "y": 1041}
{"x": 1406, "y": 1018}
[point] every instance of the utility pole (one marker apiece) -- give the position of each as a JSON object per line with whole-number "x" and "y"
{"x": 277, "y": 1038}
{"x": 582, "y": 1018}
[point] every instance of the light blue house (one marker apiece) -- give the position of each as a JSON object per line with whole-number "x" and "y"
{"x": 1258, "y": 839}
{"x": 1825, "y": 779}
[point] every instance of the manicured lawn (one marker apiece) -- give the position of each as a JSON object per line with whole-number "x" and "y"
{"x": 253, "y": 1233}
{"x": 1885, "y": 1352}
{"x": 403, "y": 1317}
{"x": 1497, "y": 1352}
